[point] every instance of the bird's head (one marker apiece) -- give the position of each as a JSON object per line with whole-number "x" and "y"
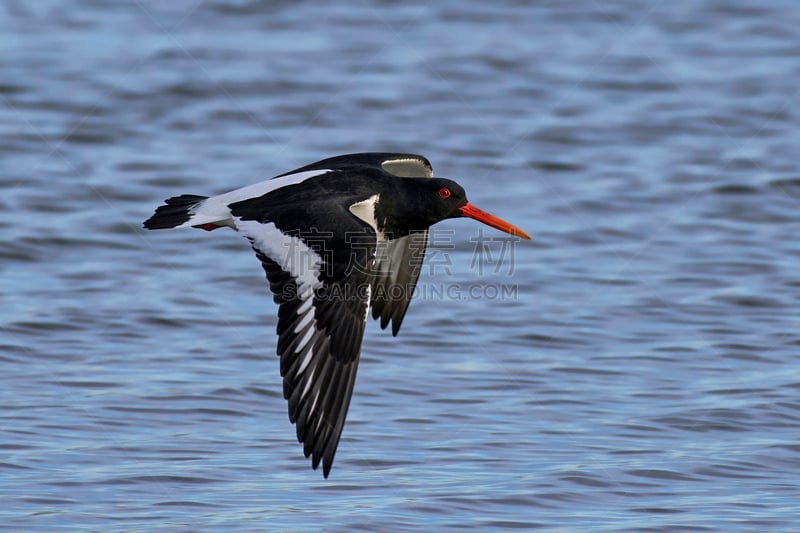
{"x": 444, "y": 198}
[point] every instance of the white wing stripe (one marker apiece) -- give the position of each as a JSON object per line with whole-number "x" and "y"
{"x": 306, "y": 338}
{"x": 216, "y": 210}
{"x": 309, "y": 381}
{"x": 291, "y": 253}
{"x": 306, "y": 360}
{"x": 305, "y": 306}
{"x": 307, "y": 318}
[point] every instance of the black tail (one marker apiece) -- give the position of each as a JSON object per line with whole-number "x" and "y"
{"x": 174, "y": 212}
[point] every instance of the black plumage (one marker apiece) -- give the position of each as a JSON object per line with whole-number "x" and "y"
{"x": 334, "y": 238}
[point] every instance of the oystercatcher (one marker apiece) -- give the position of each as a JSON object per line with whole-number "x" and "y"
{"x": 335, "y": 238}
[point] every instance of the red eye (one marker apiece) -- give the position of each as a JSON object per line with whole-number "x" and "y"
{"x": 444, "y": 192}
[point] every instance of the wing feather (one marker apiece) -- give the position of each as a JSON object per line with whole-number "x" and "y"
{"x": 321, "y": 322}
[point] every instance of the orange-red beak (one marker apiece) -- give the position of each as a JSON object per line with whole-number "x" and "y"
{"x": 480, "y": 215}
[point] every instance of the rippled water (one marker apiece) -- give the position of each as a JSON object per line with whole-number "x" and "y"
{"x": 641, "y": 371}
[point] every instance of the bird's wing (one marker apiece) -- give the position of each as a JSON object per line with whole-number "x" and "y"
{"x": 397, "y": 267}
{"x": 398, "y": 262}
{"x": 323, "y": 291}
{"x": 402, "y": 165}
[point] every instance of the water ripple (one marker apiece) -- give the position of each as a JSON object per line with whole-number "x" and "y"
{"x": 640, "y": 376}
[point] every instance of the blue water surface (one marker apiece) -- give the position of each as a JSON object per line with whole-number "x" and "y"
{"x": 634, "y": 367}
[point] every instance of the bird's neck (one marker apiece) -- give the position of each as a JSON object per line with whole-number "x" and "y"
{"x": 397, "y": 216}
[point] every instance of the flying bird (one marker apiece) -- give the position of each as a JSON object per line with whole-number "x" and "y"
{"x": 335, "y": 238}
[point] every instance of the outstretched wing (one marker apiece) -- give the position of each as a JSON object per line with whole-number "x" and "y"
{"x": 321, "y": 283}
{"x": 398, "y": 262}
{"x": 397, "y": 266}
